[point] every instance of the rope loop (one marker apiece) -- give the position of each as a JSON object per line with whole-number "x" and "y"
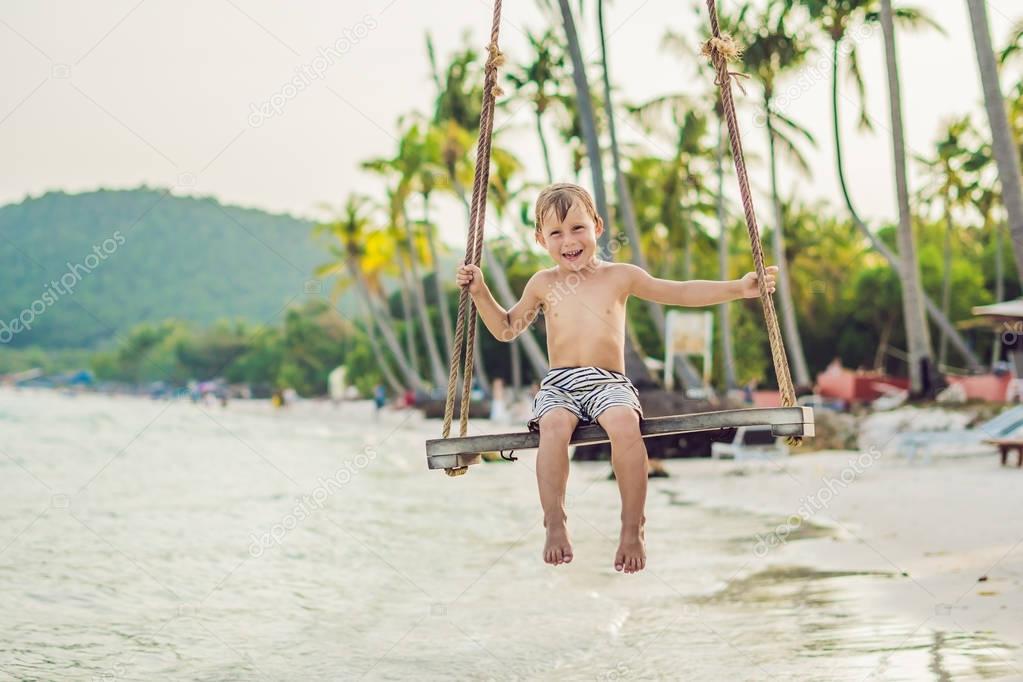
{"x": 496, "y": 58}
{"x": 722, "y": 47}
{"x": 721, "y": 51}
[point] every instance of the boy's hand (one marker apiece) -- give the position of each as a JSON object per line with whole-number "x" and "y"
{"x": 470, "y": 276}
{"x": 748, "y": 284}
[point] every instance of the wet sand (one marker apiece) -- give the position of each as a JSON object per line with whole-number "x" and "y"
{"x": 949, "y": 534}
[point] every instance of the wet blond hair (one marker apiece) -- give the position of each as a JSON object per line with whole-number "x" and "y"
{"x": 559, "y": 197}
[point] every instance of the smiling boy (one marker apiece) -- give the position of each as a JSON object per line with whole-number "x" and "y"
{"x": 583, "y": 300}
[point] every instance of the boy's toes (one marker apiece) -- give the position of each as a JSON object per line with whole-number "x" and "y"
{"x": 567, "y": 558}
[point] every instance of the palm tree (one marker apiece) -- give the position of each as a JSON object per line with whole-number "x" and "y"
{"x": 1005, "y": 150}
{"x": 918, "y": 335}
{"x": 407, "y": 168}
{"x": 537, "y": 82}
{"x": 362, "y": 253}
{"x": 949, "y": 187}
{"x": 684, "y": 188}
{"x": 570, "y": 129}
{"x": 837, "y": 19}
{"x": 431, "y": 177}
{"x": 770, "y": 52}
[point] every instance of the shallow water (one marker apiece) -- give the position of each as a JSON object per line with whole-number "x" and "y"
{"x": 150, "y": 540}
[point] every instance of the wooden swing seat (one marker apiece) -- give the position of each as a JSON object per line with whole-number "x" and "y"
{"x": 456, "y": 454}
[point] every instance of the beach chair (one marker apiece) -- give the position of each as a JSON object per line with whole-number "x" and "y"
{"x": 1007, "y": 445}
{"x": 749, "y": 443}
{"x": 960, "y": 442}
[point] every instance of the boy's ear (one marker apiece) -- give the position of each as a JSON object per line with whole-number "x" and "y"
{"x": 538, "y": 235}
{"x": 599, "y": 229}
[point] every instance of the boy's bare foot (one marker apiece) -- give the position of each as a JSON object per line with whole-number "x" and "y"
{"x": 631, "y": 554}
{"x": 557, "y": 549}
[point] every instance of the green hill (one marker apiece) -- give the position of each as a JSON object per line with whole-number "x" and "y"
{"x": 80, "y": 269}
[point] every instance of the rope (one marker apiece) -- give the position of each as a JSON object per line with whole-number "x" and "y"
{"x": 465, "y": 325}
{"x": 721, "y": 49}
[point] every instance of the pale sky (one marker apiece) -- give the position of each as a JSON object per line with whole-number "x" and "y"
{"x": 119, "y": 93}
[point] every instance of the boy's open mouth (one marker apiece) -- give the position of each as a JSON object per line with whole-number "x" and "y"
{"x": 572, "y": 255}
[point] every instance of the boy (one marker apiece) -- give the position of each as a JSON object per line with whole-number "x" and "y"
{"x": 583, "y": 300}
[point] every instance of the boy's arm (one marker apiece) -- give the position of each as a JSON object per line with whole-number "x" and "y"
{"x": 505, "y": 325}
{"x": 697, "y": 292}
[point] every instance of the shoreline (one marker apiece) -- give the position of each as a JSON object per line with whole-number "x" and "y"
{"x": 948, "y": 534}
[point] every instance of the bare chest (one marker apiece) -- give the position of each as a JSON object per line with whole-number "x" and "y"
{"x": 593, "y": 303}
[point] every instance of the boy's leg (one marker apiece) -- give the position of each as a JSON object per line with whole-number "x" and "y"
{"x": 556, "y": 429}
{"x": 629, "y": 460}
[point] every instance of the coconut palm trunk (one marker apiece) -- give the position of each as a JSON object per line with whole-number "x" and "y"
{"x": 933, "y": 311}
{"x": 589, "y": 121}
{"x": 423, "y": 312}
{"x": 537, "y": 358}
{"x": 918, "y": 335}
{"x": 438, "y": 281}
{"x": 382, "y": 319}
{"x": 378, "y": 351}
{"x": 543, "y": 147}
{"x": 793, "y": 342}
{"x": 482, "y": 378}
{"x": 516, "y": 370}
{"x": 1005, "y": 150}
{"x": 406, "y": 310}
{"x": 724, "y": 312}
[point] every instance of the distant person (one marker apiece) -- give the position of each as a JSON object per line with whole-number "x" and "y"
{"x": 749, "y": 392}
{"x": 498, "y": 403}
{"x": 409, "y": 398}
{"x": 379, "y": 398}
{"x": 583, "y": 301}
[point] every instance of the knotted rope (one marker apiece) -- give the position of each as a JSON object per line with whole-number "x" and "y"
{"x": 721, "y": 49}
{"x": 465, "y": 325}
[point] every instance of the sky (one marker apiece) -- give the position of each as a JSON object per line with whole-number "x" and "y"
{"x": 192, "y": 94}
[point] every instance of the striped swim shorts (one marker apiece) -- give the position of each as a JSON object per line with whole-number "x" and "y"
{"x": 585, "y": 392}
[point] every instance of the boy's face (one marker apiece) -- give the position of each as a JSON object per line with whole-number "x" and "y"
{"x": 572, "y": 242}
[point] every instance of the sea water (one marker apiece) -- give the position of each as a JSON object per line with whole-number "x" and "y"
{"x": 144, "y": 540}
